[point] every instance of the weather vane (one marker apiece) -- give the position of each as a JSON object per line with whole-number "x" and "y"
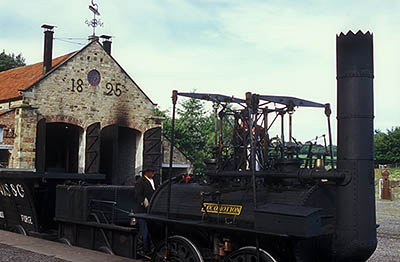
{"x": 94, "y": 22}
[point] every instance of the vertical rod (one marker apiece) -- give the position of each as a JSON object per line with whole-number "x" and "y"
{"x": 220, "y": 145}
{"x": 282, "y": 135}
{"x": 171, "y": 153}
{"x": 328, "y": 115}
{"x": 215, "y": 124}
{"x": 252, "y": 158}
{"x": 290, "y": 126}
{"x": 94, "y": 26}
{"x": 266, "y": 138}
{"x": 171, "y": 157}
{"x": 216, "y": 153}
{"x": 331, "y": 145}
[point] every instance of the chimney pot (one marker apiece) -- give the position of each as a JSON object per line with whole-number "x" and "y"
{"x": 106, "y": 43}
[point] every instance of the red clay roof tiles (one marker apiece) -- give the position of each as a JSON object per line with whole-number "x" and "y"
{"x": 3, "y": 112}
{"x": 23, "y": 77}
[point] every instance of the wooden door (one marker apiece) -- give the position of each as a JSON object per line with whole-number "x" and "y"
{"x": 92, "y": 159}
{"x": 40, "y": 159}
{"x": 152, "y": 155}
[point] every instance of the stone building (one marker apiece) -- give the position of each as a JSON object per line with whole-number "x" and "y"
{"x": 80, "y": 112}
{"x": 180, "y": 163}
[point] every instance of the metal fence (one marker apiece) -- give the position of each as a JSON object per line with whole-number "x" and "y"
{"x": 396, "y": 165}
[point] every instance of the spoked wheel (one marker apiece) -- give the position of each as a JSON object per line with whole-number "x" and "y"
{"x": 20, "y": 230}
{"x": 180, "y": 249}
{"x": 106, "y": 250}
{"x": 249, "y": 254}
{"x": 65, "y": 241}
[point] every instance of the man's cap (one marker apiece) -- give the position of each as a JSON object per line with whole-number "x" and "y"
{"x": 148, "y": 169}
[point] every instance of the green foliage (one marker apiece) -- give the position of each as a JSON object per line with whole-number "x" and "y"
{"x": 193, "y": 131}
{"x": 316, "y": 149}
{"x": 395, "y": 173}
{"x": 10, "y": 61}
{"x": 387, "y": 146}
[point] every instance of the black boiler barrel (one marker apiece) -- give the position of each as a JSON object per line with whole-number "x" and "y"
{"x": 355, "y": 238}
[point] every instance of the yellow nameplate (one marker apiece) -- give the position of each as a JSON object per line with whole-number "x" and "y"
{"x": 223, "y": 209}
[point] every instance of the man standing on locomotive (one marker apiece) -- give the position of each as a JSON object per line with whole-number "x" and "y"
{"x": 145, "y": 188}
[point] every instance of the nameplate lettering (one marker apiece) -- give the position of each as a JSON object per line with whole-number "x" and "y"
{"x": 222, "y": 209}
{"x": 26, "y": 219}
{"x": 9, "y": 190}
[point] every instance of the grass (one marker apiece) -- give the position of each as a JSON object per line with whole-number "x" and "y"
{"x": 395, "y": 173}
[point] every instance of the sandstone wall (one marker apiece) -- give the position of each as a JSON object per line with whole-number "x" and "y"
{"x": 7, "y": 121}
{"x": 178, "y": 156}
{"x": 65, "y": 95}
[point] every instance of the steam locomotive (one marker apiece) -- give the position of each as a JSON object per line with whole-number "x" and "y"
{"x": 259, "y": 198}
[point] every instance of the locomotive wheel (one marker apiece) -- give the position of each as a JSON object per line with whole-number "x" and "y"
{"x": 106, "y": 250}
{"x": 180, "y": 249}
{"x": 249, "y": 254}
{"x": 65, "y": 241}
{"x": 20, "y": 230}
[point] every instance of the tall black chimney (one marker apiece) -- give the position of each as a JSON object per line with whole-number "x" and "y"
{"x": 48, "y": 47}
{"x": 355, "y": 219}
{"x": 106, "y": 43}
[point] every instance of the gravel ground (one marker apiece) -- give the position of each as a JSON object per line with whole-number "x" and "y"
{"x": 388, "y": 217}
{"x": 13, "y": 254}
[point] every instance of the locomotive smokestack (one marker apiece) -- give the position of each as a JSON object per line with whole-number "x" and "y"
{"x": 355, "y": 218}
{"x": 48, "y": 48}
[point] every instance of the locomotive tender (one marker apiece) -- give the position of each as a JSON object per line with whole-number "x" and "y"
{"x": 259, "y": 199}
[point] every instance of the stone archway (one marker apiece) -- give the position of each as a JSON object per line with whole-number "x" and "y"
{"x": 118, "y": 150}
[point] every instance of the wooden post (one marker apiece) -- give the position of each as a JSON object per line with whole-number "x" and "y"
{"x": 386, "y": 192}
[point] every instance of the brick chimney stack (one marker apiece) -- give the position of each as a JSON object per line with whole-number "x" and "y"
{"x": 48, "y": 48}
{"x": 106, "y": 43}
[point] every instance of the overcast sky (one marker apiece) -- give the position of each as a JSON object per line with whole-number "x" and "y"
{"x": 224, "y": 46}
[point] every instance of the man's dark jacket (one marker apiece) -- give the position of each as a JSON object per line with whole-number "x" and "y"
{"x": 143, "y": 190}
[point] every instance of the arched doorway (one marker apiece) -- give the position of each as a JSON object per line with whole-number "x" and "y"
{"x": 57, "y": 147}
{"x": 118, "y": 146}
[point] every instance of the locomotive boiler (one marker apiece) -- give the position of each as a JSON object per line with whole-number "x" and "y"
{"x": 259, "y": 199}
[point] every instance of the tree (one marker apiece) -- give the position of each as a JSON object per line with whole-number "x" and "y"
{"x": 193, "y": 129}
{"x": 10, "y": 61}
{"x": 387, "y": 146}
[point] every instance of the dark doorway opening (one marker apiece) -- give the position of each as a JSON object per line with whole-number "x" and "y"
{"x": 4, "y": 158}
{"x": 62, "y": 147}
{"x": 118, "y": 154}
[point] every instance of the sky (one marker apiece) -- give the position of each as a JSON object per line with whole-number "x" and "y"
{"x": 229, "y": 47}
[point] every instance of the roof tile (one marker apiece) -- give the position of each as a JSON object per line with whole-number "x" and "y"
{"x": 23, "y": 77}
